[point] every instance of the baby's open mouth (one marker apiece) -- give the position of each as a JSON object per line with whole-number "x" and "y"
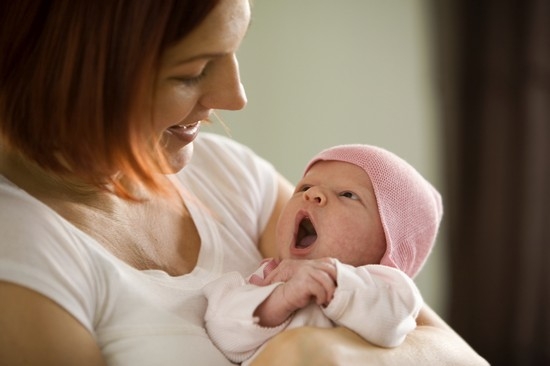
{"x": 306, "y": 234}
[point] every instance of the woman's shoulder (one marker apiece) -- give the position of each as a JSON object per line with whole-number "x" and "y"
{"x": 41, "y": 251}
{"x": 229, "y": 163}
{"x": 34, "y": 234}
{"x": 19, "y": 211}
{"x": 233, "y": 181}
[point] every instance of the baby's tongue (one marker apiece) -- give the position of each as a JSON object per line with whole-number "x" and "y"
{"x": 306, "y": 241}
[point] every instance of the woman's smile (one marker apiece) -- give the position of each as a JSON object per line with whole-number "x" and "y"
{"x": 185, "y": 133}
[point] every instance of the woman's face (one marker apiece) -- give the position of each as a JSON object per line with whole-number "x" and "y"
{"x": 197, "y": 75}
{"x": 333, "y": 213}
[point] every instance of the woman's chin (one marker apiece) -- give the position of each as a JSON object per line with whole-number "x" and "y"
{"x": 177, "y": 160}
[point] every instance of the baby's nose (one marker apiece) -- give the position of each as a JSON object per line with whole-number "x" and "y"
{"x": 315, "y": 194}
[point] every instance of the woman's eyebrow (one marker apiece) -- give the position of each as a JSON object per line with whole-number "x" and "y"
{"x": 202, "y": 56}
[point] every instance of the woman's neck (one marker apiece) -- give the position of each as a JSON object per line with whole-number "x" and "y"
{"x": 142, "y": 233}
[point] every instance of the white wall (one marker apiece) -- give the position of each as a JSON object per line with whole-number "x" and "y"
{"x": 325, "y": 72}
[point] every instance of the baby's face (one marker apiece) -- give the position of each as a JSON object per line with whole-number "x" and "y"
{"x": 333, "y": 213}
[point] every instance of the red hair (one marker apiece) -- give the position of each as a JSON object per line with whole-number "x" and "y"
{"x": 73, "y": 75}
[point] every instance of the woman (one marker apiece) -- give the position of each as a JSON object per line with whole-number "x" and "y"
{"x": 114, "y": 212}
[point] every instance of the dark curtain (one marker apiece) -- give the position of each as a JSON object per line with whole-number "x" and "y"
{"x": 494, "y": 58}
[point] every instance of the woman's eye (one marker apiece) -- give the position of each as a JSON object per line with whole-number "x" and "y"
{"x": 191, "y": 80}
{"x": 350, "y": 195}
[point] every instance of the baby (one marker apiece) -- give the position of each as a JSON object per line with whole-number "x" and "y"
{"x": 358, "y": 228}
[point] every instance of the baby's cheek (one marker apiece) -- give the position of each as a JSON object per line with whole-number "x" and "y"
{"x": 284, "y": 234}
{"x": 354, "y": 245}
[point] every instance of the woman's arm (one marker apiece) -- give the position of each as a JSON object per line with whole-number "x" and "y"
{"x": 267, "y": 245}
{"x": 37, "y": 331}
{"x": 433, "y": 342}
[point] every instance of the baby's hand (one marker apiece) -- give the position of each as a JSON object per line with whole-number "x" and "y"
{"x": 283, "y": 270}
{"x": 270, "y": 265}
{"x": 304, "y": 281}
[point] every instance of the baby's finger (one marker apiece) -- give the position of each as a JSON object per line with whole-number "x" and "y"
{"x": 321, "y": 294}
{"x": 270, "y": 266}
{"x": 283, "y": 271}
{"x": 256, "y": 280}
{"x": 328, "y": 285}
{"x": 328, "y": 265}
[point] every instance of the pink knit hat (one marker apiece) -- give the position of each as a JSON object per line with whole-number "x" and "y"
{"x": 410, "y": 207}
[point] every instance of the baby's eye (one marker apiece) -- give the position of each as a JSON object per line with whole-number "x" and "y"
{"x": 303, "y": 188}
{"x": 350, "y": 195}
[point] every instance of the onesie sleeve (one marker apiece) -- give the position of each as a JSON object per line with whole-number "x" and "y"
{"x": 229, "y": 316}
{"x": 379, "y": 303}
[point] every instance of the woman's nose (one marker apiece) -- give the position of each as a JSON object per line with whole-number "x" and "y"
{"x": 225, "y": 90}
{"x": 315, "y": 195}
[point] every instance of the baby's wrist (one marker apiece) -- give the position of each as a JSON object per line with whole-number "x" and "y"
{"x": 275, "y": 309}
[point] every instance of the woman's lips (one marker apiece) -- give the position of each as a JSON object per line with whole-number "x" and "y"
{"x": 185, "y": 133}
